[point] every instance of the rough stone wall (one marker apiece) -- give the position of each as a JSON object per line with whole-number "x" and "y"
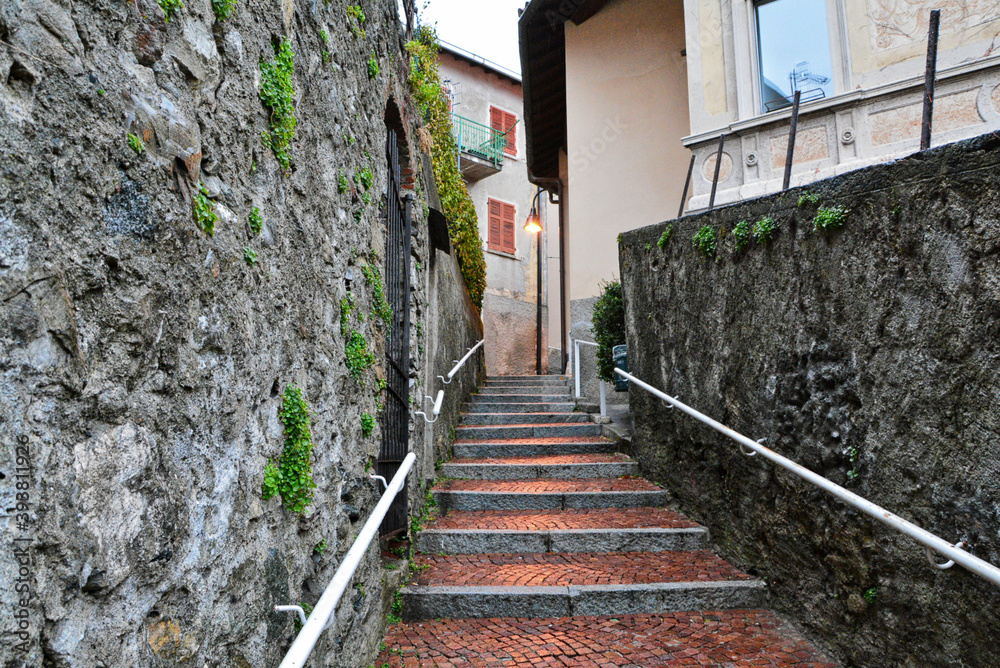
{"x": 143, "y": 361}
{"x": 870, "y": 356}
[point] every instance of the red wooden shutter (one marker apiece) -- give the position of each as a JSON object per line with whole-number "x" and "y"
{"x": 510, "y": 127}
{"x": 496, "y": 119}
{"x": 495, "y": 212}
{"x": 508, "y": 228}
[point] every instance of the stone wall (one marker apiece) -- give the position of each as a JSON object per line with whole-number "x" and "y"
{"x": 143, "y": 361}
{"x": 870, "y": 356}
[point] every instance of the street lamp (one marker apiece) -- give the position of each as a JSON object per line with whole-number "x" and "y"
{"x": 534, "y": 226}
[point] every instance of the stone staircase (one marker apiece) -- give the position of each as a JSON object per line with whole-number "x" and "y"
{"x": 551, "y": 551}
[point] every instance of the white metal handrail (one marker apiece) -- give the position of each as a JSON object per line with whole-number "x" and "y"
{"x": 460, "y": 363}
{"x": 322, "y": 615}
{"x": 576, "y": 374}
{"x": 930, "y": 542}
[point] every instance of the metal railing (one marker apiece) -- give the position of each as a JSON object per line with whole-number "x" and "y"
{"x": 436, "y": 409}
{"x": 322, "y": 615}
{"x": 931, "y": 542}
{"x": 460, "y": 363}
{"x": 479, "y": 140}
{"x": 576, "y": 374}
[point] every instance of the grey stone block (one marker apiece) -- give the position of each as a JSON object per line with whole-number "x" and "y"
{"x": 522, "y": 471}
{"x": 526, "y": 431}
{"x": 456, "y": 541}
{"x": 523, "y": 418}
{"x": 614, "y": 499}
{"x": 517, "y": 407}
{"x": 529, "y": 449}
{"x": 546, "y": 501}
{"x": 474, "y": 541}
{"x": 479, "y": 602}
{"x": 667, "y": 597}
{"x": 493, "y": 397}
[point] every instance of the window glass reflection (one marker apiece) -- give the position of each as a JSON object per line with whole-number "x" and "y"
{"x": 794, "y": 51}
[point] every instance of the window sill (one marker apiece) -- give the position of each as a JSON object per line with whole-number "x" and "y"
{"x": 509, "y": 256}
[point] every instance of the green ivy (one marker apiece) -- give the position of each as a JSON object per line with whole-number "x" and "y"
{"x": 170, "y": 7}
{"x": 291, "y": 476}
{"x": 764, "y": 229}
{"x": 367, "y": 425}
{"x": 705, "y": 241}
{"x": 342, "y": 184}
{"x": 223, "y": 9}
{"x": 829, "y": 219}
{"x": 135, "y": 143}
{"x": 249, "y": 256}
{"x": 608, "y": 325}
{"x": 256, "y": 221}
{"x": 278, "y": 93}
{"x": 359, "y": 358}
{"x": 373, "y": 68}
{"x": 204, "y": 211}
{"x": 457, "y": 206}
{"x": 741, "y": 235}
{"x": 668, "y": 232}
{"x": 380, "y": 307}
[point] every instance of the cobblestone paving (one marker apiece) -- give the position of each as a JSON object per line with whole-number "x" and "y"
{"x": 547, "y": 460}
{"x": 553, "y": 520}
{"x": 577, "y": 568}
{"x": 549, "y": 485}
{"x": 732, "y": 638}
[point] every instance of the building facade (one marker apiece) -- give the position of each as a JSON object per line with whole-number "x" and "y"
{"x": 486, "y": 104}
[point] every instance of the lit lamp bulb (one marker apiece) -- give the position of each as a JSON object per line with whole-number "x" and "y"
{"x": 534, "y": 223}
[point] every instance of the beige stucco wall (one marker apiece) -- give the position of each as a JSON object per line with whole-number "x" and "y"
{"x": 878, "y": 54}
{"x": 626, "y": 95}
{"x": 509, "y": 307}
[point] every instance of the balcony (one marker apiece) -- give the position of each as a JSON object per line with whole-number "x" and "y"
{"x": 480, "y": 148}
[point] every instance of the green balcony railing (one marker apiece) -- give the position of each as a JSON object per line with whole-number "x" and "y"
{"x": 479, "y": 140}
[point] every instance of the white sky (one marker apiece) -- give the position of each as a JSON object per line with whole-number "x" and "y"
{"x": 487, "y": 28}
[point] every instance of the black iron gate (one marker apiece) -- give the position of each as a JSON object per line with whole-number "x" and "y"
{"x": 395, "y": 418}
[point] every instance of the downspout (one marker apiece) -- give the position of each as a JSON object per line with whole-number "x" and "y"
{"x": 555, "y": 186}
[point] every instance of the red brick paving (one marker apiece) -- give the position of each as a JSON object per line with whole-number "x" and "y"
{"x": 735, "y": 638}
{"x": 530, "y": 424}
{"x": 547, "y": 460}
{"x": 549, "y": 485}
{"x": 577, "y": 568}
{"x": 535, "y": 520}
{"x": 543, "y": 440}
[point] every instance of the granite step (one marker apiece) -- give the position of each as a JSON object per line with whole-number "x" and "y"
{"x": 580, "y": 583}
{"x": 540, "y": 389}
{"x": 533, "y": 447}
{"x": 483, "y": 398}
{"x": 505, "y": 406}
{"x": 549, "y": 494}
{"x": 564, "y": 379}
{"x": 547, "y": 466}
{"x": 487, "y": 432}
{"x": 481, "y": 419}
{"x": 503, "y": 382}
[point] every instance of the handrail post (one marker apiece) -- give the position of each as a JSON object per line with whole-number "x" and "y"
{"x": 576, "y": 365}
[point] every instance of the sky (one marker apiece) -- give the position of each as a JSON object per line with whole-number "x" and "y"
{"x": 487, "y": 28}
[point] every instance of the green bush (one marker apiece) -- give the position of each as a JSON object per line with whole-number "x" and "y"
{"x": 256, "y": 221}
{"x": 608, "y": 324}
{"x": 764, "y": 229}
{"x": 705, "y": 241}
{"x": 223, "y": 9}
{"x": 291, "y": 477}
{"x": 457, "y": 206}
{"x": 170, "y": 7}
{"x": 741, "y": 235}
{"x": 359, "y": 358}
{"x": 829, "y": 219}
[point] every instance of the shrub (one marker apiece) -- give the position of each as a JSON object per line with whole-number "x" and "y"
{"x": 705, "y": 241}
{"x": 741, "y": 235}
{"x": 256, "y": 221}
{"x": 764, "y": 229}
{"x": 829, "y": 219}
{"x": 668, "y": 232}
{"x": 608, "y": 324}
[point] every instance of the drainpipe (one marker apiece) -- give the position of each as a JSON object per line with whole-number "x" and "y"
{"x": 555, "y": 187}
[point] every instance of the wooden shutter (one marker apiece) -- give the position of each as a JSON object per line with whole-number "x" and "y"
{"x": 508, "y": 228}
{"x": 496, "y": 119}
{"x": 495, "y": 214}
{"x": 510, "y": 127}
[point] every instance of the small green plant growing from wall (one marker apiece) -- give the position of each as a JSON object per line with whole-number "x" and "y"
{"x": 320, "y": 547}
{"x": 356, "y": 20}
{"x": 135, "y": 143}
{"x": 223, "y": 9}
{"x": 380, "y": 307}
{"x": 342, "y": 184}
{"x": 871, "y": 595}
{"x": 808, "y": 198}
{"x": 170, "y": 7}
{"x": 249, "y": 256}
{"x": 325, "y": 36}
{"x": 204, "y": 211}
{"x": 764, "y": 229}
{"x": 608, "y": 325}
{"x": 256, "y": 221}
{"x": 367, "y": 425}
{"x": 668, "y": 232}
{"x": 278, "y": 93}
{"x": 346, "y": 306}
{"x": 365, "y": 178}
{"x": 741, "y": 235}
{"x": 359, "y": 358}
{"x": 291, "y": 477}
{"x": 373, "y": 68}
{"x": 829, "y": 219}
{"x": 705, "y": 241}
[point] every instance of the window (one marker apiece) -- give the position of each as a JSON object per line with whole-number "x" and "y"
{"x": 793, "y": 51}
{"x": 507, "y": 123}
{"x": 501, "y": 233}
